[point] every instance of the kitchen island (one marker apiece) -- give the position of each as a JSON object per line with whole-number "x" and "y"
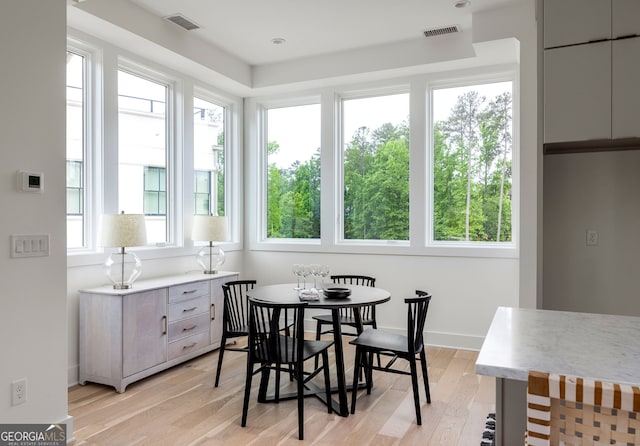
{"x": 598, "y": 346}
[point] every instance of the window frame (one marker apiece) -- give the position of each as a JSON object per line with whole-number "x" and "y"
{"x": 478, "y": 246}
{"x": 263, "y": 175}
{"x": 340, "y": 239}
{"x": 173, "y": 126}
{"x": 91, "y": 135}
{"x": 420, "y": 170}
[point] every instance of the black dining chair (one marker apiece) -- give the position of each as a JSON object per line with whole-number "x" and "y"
{"x": 396, "y": 346}
{"x": 367, "y": 313}
{"x": 235, "y": 317}
{"x": 276, "y": 343}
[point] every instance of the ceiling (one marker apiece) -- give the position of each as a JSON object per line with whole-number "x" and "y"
{"x": 246, "y": 28}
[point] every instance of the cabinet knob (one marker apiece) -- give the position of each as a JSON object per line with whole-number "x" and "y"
{"x": 213, "y": 312}
{"x": 164, "y": 325}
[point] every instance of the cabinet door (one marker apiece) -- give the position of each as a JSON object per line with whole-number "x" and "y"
{"x": 568, "y": 22}
{"x": 625, "y": 115}
{"x": 217, "y": 308}
{"x": 577, "y": 93}
{"x": 625, "y": 22}
{"x": 144, "y": 330}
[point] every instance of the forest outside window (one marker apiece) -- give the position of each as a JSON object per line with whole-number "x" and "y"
{"x": 472, "y": 163}
{"x": 375, "y": 133}
{"x": 293, "y": 172}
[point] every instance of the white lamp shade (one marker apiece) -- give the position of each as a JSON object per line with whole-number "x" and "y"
{"x": 120, "y": 230}
{"x": 210, "y": 228}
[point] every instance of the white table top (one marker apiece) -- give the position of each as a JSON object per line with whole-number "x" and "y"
{"x": 598, "y": 346}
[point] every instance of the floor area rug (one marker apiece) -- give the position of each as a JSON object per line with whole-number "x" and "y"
{"x": 489, "y": 434}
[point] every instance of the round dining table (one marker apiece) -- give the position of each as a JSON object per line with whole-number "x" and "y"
{"x": 359, "y": 296}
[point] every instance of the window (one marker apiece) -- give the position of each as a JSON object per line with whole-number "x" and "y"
{"x": 143, "y": 150}
{"x": 76, "y": 108}
{"x": 293, "y": 172}
{"x": 375, "y": 134}
{"x": 209, "y": 157}
{"x": 472, "y": 155}
{"x": 75, "y": 189}
{"x": 155, "y": 192}
{"x": 202, "y": 192}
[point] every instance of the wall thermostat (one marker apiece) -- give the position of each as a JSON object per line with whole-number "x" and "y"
{"x": 30, "y": 181}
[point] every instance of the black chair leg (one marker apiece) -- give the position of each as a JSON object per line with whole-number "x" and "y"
{"x": 220, "y": 355}
{"x": 414, "y": 385}
{"x": 425, "y": 375}
{"x": 369, "y": 372}
{"x": 300, "y": 379}
{"x": 318, "y": 334}
{"x": 327, "y": 379}
{"x": 247, "y": 391}
{"x": 356, "y": 374}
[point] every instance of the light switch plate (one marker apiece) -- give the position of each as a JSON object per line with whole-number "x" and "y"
{"x": 34, "y": 245}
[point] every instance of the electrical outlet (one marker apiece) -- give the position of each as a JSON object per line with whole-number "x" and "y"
{"x": 592, "y": 237}
{"x": 19, "y": 392}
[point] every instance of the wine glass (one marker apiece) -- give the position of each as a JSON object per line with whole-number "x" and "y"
{"x": 314, "y": 270}
{"x": 304, "y": 272}
{"x": 297, "y": 270}
{"x": 324, "y": 272}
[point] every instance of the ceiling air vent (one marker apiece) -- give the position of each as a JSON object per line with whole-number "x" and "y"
{"x": 441, "y": 31}
{"x": 182, "y": 21}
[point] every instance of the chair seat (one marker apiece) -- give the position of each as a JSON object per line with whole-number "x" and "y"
{"x": 381, "y": 340}
{"x": 309, "y": 349}
{"x": 344, "y": 320}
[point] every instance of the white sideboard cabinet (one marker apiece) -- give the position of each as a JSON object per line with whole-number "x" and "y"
{"x": 127, "y": 335}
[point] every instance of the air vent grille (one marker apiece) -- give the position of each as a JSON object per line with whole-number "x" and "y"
{"x": 433, "y": 32}
{"x": 182, "y": 21}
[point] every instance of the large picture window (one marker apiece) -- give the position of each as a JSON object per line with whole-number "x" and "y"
{"x": 142, "y": 141}
{"x": 209, "y": 157}
{"x": 375, "y": 132}
{"x": 472, "y": 163}
{"x": 293, "y": 172}
{"x": 76, "y": 142}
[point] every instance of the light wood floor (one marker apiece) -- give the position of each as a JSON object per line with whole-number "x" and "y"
{"x": 180, "y": 406}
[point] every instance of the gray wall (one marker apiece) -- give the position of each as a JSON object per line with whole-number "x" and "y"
{"x": 33, "y": 318}
{"x": 597, "y": 191}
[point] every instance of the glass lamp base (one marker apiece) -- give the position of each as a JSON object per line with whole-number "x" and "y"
{"x": 123, "y": 268}
{"x": 210, "y": 258}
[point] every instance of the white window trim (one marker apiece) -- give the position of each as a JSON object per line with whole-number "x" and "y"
{"x": 105, "y": 64}
{"x": 420, "y": 170}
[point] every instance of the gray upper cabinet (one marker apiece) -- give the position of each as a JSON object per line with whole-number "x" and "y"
{"x": 577, "y": 93}
{"x": 570, "y": 22}
{"x": 625, "y": 117}
{"x": 591, "y": 71}
{"x": 625, "y": 18}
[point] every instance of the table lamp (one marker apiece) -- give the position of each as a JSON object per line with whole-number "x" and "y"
{"x": 121, "y": 231}
{"x": 211, "y": 228}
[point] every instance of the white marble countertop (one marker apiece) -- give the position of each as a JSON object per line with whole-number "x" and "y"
{"x": 598, "y": 346}
{"x": 158, "y": 282}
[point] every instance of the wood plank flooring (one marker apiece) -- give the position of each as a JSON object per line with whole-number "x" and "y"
{"x": 180, "y": 406}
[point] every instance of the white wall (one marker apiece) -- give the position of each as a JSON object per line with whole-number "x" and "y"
{"x": 597, "y": 191}
{"x": 466, "y": 291}
{"x": 32, "y": 124}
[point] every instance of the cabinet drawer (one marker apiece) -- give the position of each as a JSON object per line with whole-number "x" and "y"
{"x": 188, "y": 327}
{"x": 188, "y": 291}
{"x": 188, "y": 308}
{"x": 188, "y": 345}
